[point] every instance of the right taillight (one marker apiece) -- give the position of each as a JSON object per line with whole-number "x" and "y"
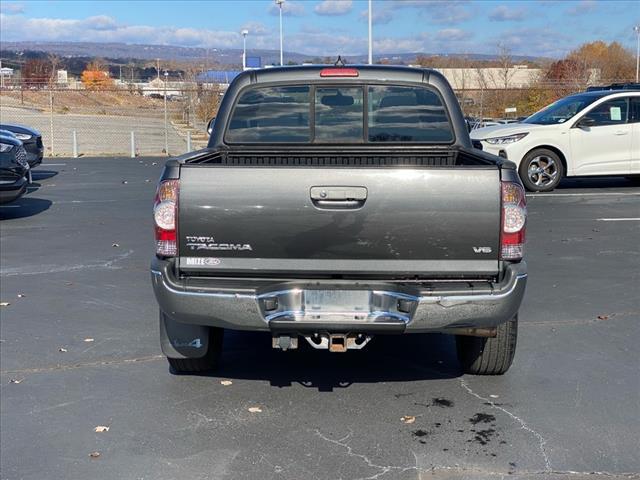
{"x": 514, "y": 221}
{"x": 165, "y": 217}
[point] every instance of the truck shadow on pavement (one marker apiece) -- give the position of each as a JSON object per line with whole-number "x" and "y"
{"x": 390, "y": 358}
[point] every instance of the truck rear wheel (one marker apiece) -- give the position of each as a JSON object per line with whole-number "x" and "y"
{"x": 489, "y": 356}
{"x": 195, "y": 365}
{"x": 190, "y": 348}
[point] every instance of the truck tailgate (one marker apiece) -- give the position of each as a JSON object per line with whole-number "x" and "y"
{"x": 290, "y": 221}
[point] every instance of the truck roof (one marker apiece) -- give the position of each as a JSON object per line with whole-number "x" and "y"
{"x": 364, "y": 73}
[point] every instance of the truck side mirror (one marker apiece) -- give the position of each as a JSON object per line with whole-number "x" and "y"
{"x": 210, "y": 125}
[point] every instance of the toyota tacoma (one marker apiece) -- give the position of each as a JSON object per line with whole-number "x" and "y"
{"x": 332, "y": 204}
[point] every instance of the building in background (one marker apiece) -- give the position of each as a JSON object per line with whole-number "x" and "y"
{"x": 6, "y": 76}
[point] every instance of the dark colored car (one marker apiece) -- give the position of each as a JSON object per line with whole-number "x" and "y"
{"x": 31, "y": 140}
{"x": 615, "y": 86}
{"x": 14, "y": 168}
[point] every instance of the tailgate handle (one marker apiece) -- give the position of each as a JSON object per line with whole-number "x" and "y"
{"x": 338, "y": 197}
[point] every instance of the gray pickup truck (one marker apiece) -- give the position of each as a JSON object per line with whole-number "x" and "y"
{"x": 332, "y": 204}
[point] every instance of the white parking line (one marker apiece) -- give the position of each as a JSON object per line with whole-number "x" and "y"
{"x": 602, "y": 194}
{"x": 618, "y": 219}
{"x": 53, "y": 164}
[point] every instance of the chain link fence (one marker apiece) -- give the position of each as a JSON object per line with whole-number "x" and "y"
{"x": 115, "y": 121}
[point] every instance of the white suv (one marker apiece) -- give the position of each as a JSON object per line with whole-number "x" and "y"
{"x": 591, "y": 133}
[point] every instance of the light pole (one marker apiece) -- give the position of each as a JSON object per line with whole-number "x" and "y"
{"x": 244, "y": 49}
{"x": 279, "y": 3}
{"x": 166, "y": 126}
{"x": 370, "y": 35}
{"x": 637, "y": 30}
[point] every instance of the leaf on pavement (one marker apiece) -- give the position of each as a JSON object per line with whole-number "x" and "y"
{"x": 21, "y": 295}
{"x": 94, "y": 454}
{"x": 408, "y": 419}
{"x": 4, "y": 304}
{"x": 603, "y": 317}
{"x": 101, "y": 428}
{"x": 115, "y": 245}
{"x": 88, "y": 340}
{"x": 16, "y": 380}
{"x": 255, "y": 409}
{"x": 226, "y": 382}
{"x": 62, "y": 349}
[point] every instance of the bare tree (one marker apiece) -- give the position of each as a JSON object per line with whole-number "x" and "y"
{"x": 505, "y": 62}
{"x": 54, "y": 61}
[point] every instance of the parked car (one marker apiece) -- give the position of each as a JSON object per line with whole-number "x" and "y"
{"x": 311, "y": 220}
{"x": 31, "y": 140}
{"x": 615, "y": 86}
{"x": 14, "y": 168}
{"x": 471, "y": 122}
{"x": 591, "y": 133}
{"x": 485, "y": 122}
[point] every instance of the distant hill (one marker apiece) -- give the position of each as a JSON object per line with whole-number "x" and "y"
{"x": 221, "y": 56}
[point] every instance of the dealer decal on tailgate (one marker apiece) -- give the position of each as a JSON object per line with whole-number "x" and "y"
{"x": 202, "y": 261}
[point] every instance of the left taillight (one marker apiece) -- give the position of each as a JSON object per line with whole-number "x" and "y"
{"x": 514, "y": 221}
{"x": 165, "y": 217}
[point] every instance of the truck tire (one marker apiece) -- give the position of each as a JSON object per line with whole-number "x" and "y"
{"x": 488, "y": 356}
{"x": 541, "y": 170}
{"x": 206, "y": 363}
{"x": 186, "y": 358}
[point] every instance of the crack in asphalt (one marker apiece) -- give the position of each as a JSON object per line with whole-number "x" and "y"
{"x": 74, "y": 366}
{"x": 384, "y": 469}
{"x": 606, "y": 317}
{"x": 43, "y": 269}
{"x": 541, "y": 440}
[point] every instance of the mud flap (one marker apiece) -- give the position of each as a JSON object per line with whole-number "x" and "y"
{"x": 183, "y": 340}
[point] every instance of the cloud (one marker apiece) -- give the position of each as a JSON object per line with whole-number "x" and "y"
{"x": 101, "y": 22}
{"x": 11, "y": 8}
{"x": 106, "y": 29}
{"x": 333, "y": 7}
{"x": 381, "y": 16}
{"x": 256, "y": 28}
{"x": 452, "y": 35}
{"x": 503, "y": 13}
{"x": 543, "y": 42}
{"x": 582, "y": 7}
{"x": 289, "y": 9}
{"x": 439, "y": 12}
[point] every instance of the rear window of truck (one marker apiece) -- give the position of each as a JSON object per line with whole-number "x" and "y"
{"x": 339, "y": 114}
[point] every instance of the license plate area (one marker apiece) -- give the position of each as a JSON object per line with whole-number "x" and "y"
{"x": 326, "y": 305}
{"x": 355, "y": 304}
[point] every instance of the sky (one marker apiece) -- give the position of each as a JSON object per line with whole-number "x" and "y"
{"x": 549, "y": 28}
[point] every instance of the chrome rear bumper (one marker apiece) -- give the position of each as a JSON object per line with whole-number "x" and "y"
{"x": 284, "y": 307}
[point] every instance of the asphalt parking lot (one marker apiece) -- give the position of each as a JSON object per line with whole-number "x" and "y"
{"x": 79, "y": 349}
